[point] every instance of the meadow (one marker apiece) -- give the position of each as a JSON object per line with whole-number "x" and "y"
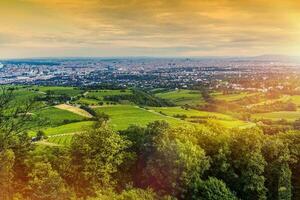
{"x": 286, "y": 115}
{"x": 121, "y": 116}
{"x": 182, "y": 97}
{"x": 58, "y": 90}
{"x": 230, "y": 97}
{"x": 66, "y": 119}
{"x": 191, "y": 114}
{"x": 56, "y": 116}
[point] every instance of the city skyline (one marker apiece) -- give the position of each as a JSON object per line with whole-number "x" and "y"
{"x": 157, "y": 28}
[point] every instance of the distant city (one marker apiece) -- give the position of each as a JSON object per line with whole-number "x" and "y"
{"x": 232, "y": 73}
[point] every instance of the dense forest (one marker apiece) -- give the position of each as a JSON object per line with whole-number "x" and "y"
{"x": 158, "y": 161}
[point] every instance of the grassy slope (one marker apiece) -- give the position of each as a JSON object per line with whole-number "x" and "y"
{"x": 296, "y": 99}
{"x": 74, "y": 109}
{"x": 182, "y": 97}
{"x": 230, "y": 97}
{"x": 62, "y": 140}
{"x": 222, "y": 119}
{"x": 69, "y": 91}
{"x": 123, "y": 115}
{"x": 171, "y": 111}
{"x": 87, "y": 101}
{"x": 288, "y": 115}
{"x": 69, "y": 128}
{"x": 56, "y": 116}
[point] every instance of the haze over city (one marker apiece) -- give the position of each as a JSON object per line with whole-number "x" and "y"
{"x": 164, "y": 28}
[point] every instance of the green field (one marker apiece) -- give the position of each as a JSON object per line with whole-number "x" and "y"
{"x": 55, "y": 116}
{"x": 69, "y": 128}
{"x": 62, "y": 123}
{"x": 230, "y": 97}
{"x": 87, "y": 101}
{"x": 171, "y": 111}
{"x": 295, "y": 99}
{"x": 57, "y": 90}
{"x": 192, "y": 114}
{"x": 61, "y": 140}
{"x": 288, "y": 115}
{"x": 23, "y": 94}
{"x": 121, "y": 116}
{"x": 182, "y": 97}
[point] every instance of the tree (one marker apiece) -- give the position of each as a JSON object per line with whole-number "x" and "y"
{"x": 297, "y": 124}
{"x": 284, "y": 183}
{"x": 40, "y": 135}
{"x": 96, "y": 156}
{"x": 278, "y": 175}
{"x": 142, "y": 139}
{"x": 247, "y": 164}
{"x": 211, "y": 189}
{"x": 292, "y": 140}
{"x": 15, "y": 120}
{"x": 175, "y": 164}
{"x": 46, "y": 184}
{"x": 7, "y": 159}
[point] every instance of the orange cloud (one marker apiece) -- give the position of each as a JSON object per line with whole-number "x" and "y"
{"x": 156, "y": 27}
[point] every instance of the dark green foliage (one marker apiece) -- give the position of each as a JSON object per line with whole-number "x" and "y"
{"x": 96, "y": 156}
{"x": 211, "y": 189}
{"x": 46, "y": 184}
{"x": 284, "y": 183}
{"x": 247, "y": 164}
{"x": 89, "y": 110}
{"x": 40, "y": 135}
{"x": 297, "y": 124}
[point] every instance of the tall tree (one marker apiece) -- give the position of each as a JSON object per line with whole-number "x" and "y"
{"x": 96, "y": 156}
{"x": 247, "y": 164}
{"x": 46, "y": 184}
{"x": 175, "y": 163}
{"x": 211, "y": 189}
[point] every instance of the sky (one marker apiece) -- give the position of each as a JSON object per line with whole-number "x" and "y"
{"x": 164, "y": 28}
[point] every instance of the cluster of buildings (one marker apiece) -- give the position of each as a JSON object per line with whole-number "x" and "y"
{"x": 147, "y": 72}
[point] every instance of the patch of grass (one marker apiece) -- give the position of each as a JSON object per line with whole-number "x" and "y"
{"x": 61, "y": 140}
{"x": 225, "y": 120}
{"x": 57, "y": 90}
{"x": 295, "y": 99}
{"x": 182, "y": 97}
{"x": 69, "y": 128}
{"x": 231, "y": 97}
{"x": 287, "y": 115}
{"x": 171, "y": 111}
{"x": 56, "y": 116}
{"x": 87, "y": 101}
{"x": 121, "y": 116}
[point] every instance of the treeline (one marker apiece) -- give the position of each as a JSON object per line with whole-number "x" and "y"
{"x": 103, "y": 86}
{"x": 155, "y": 162}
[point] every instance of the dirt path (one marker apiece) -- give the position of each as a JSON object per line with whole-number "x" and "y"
{"x": 75, "y": 110}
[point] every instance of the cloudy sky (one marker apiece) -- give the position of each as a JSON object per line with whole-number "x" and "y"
{"x": 50, "y": 28}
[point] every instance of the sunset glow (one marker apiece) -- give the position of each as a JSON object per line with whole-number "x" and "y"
{"x": 33, "y": 28}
